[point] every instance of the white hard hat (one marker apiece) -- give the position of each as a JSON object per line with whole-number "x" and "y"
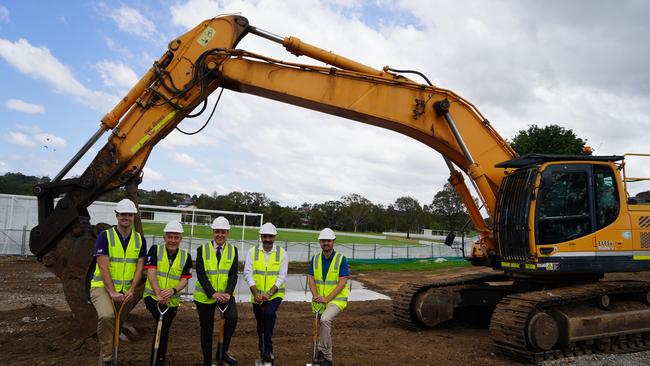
{"x": 268, "y": 229}
{"x": 174, "y": 227}
{"x": 126, "y": 206}
{"x": 326, "y": 234}
{"x": 220, "y": 223}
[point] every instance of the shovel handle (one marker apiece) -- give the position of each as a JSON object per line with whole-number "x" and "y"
{"x": 156, "y": 344}
{"x": 116, "y": 333}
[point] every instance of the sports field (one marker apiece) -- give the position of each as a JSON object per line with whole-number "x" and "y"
{"x": 204, "y": 231}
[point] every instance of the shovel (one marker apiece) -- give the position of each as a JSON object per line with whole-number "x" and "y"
{"x": 156, "y": 343}
{"x": 222, "y": 324}
{"x": 261, "y": 362}
{"x": 116, "y": 334}
{"x": 316, "y": 323}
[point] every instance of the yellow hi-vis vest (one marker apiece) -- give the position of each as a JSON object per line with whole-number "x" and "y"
{"x": 216, "y": 271}
{"x": 121, "y": 263}
{"x": 166, "y": 275}
{"x": 266, "y": 274}
{"x": 325, "y": 286}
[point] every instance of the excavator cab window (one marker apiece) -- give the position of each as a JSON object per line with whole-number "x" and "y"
{"x": 575, "y": 200}
{"x": 607, "y": 202}
{"x": 563, "y": 207}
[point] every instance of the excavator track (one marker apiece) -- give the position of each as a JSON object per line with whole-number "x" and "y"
{"x": 512, "y": 317}
{"x": 403, "y": 301}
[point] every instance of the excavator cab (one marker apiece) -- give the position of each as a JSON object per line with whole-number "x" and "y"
{"x": 566, "y": 214}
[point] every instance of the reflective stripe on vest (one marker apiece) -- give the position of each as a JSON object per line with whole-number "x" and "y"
{"x": 265, "y": 274}
{"x": 325, "y": 286}
{"x": 168, "y": 276}
{"x": 121, "y": 263}
{"x": 216, "y": 271}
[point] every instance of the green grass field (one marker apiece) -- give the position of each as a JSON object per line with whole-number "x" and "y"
{"x": 205, "y": 232}
{"x": 399, "y": 265}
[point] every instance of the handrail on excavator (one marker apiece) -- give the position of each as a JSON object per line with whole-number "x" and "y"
{"x": 627, "y": 179}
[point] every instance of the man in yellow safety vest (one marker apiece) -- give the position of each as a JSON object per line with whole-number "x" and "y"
{"x": 328, "y": 283}
{"x": 216, "y": 274}
{"x": 119, "y": 253}
{"x": 168, "y": 270}
{"x": 265, "y": 272}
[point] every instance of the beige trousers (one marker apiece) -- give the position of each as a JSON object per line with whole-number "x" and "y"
{"x": 106, "y": 320}
{"x": 325, "y": 333}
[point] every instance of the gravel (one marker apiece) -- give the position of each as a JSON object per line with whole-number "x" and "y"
{"x": 623, "y": 359}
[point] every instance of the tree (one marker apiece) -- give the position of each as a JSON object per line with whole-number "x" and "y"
{"x": 551, "y": 139}
{"x": 17, "y": 183}
{"x": 448, "y": 205}
{"x": 409, "y": 211}
{"x": 326, "y": 214}
{"x": 356, "y": 208}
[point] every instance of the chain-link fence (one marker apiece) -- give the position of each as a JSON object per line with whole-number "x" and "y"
{"x": 16, "y": 242}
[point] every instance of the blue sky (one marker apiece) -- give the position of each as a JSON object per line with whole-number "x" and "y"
{"x": 65, "y": 64}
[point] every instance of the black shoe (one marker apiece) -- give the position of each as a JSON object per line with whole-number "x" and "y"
{"x": 319, "y": 356}
{"x": 229, "y": 359}
{"x": 326, "y": 362}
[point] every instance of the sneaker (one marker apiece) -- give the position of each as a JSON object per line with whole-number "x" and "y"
{"x": 229, "y": 359}
{"x": 130, "y": 328}
{"x": 268, "y": 358}
{"x": 124, "y": 338}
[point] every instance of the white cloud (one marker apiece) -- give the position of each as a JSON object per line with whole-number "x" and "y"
{"x": 193, "y": 186}
{"x": 124, "y": 51}
{"x": 116, "y": 74}
{"x": 40, "y": 64}
{"x": 152, "y": 175}
{"x": 185, "y": 159}
{"x": 4, "y": 14}
{"x": 50, "y": 140}
{"x": 32, "y": 130}
{"x": 4, "y": 167}
{"x": 131, "y": 21}
{"x": 19, "y": 138}
{"x": 33, "y": 135}
{"x": 25, "y": 107}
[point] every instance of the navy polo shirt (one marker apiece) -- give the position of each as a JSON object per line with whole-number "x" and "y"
{"x": 343, "y": 268}
{"x": 101, "y": 245}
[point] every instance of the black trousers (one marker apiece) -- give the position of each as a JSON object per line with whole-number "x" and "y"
{"x": 265, "y": 315}
{"x": 206, "y": 320}
{"x": 164, "y": 332}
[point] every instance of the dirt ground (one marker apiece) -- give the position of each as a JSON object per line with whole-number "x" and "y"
{"x": 36, "y": 328}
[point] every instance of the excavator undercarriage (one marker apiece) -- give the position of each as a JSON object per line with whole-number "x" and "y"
{"x": 535, "y": 321}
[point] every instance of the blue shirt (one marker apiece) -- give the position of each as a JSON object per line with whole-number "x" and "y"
{"x": 101, "y": 245}
{"x": 343, "y": 268}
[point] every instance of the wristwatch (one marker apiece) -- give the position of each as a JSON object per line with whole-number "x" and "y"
{"x": 175, "y": 290}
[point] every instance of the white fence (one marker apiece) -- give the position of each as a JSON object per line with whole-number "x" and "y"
{"x": 16, "y": 242}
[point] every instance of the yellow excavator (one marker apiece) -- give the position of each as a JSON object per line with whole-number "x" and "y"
{"x": 558, "y": 223}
